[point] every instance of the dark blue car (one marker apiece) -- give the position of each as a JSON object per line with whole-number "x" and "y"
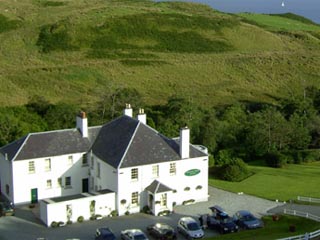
{"x": 104, "y": 234}
{"x": 221, "y": 221}
{"x": 246, "y": 220}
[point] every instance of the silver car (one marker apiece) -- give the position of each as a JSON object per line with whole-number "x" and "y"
{"x": 190, "y": 228}
{"x": 133, "y": 234}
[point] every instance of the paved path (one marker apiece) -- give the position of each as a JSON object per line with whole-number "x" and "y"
{"x": 315, "y": 210}
{"x": 231, "y": 202}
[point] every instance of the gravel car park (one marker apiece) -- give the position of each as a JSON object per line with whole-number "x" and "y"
{"x": 25, "y": 225}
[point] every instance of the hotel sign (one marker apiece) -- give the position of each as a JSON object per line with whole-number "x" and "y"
{"x": 192, "y": 172}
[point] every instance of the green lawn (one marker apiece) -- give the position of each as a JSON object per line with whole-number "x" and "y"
{"x": 273, "y": 183}
{"x": 273, "y": 22}
{"x": 274, "y": 229}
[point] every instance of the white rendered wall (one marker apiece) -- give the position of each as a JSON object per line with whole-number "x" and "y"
{"x": 25, "y": 181}
{"x": 104, "y": 205}
{"x": 178, "y": 182}
{"x": 108, "y": 176}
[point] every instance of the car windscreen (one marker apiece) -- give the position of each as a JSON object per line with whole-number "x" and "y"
{"x": 248, "y": 217}
{"x": 193, "y": 226}
{"x": 139, "y": 237}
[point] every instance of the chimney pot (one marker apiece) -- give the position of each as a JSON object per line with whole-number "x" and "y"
{"x": 128, "y": 110}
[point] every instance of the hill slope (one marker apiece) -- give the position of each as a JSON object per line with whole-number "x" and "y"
{"x": 73, "y": 51}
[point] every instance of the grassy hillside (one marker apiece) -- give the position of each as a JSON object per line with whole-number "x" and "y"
{"x": 73, "y": 51}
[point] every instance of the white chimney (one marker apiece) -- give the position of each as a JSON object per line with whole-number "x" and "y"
{"x": 128, "y": 110}
{"x": 82, "y": 124}
{"x": 184, "y": 142}
{"x": 142, "y": 117}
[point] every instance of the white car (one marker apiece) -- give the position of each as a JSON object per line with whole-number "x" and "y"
{"x": 190, "y": 228}
{"x": 133, "y": 234}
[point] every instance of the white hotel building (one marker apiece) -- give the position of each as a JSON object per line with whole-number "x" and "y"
{"x": 124, "y": 165}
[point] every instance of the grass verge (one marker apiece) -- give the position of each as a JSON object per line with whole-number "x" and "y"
{"x": 290, "y": 181}
{"x": 275, "y": 229}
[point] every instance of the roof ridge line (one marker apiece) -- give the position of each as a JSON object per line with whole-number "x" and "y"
{"x": 128, "y": 146}
{"x": 22, "y": 145}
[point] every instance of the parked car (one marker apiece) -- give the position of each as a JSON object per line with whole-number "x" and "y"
{"x": 190, "y": 228}
{"x": 246, "y": 220}
{"x": 104, "y": 234}
{"x": 6, "y": 209}
{"x": 221, "y": 221}
{"x": 161, "y": 231}
{"x": 133, "y": 234}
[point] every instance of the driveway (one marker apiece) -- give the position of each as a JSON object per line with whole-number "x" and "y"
{"x": 25, "y": 224}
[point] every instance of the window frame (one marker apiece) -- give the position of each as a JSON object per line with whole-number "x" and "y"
{"x": 135, "y": 198}
{"x": 70, "y": 160}
{"x": 155, "y": 171}
{"x": 47, "y": 167}
{"x": 31, "y": 167}
{"x": 173, "y": 169}
{"x": 134, "y": 174}
{"x": 49, "y": 184}
{"x": 68, "y": 182}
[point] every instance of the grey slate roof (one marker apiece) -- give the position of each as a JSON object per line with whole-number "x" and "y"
{"x": 125, "y": 142}
{"x": 47, "y": 144}
{"x": 157, "y": 187}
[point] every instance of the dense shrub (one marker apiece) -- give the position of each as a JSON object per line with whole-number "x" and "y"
{"x": 7, "y": 25}
{"x": 55, "y": 37}
{"x": 80, "y": 219}
{"x": 275, "y": 159}
{"x": 54, "y": 224}
{"x": 234, "y": 171}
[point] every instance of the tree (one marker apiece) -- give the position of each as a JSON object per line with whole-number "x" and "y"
{"x": 38, "y": 104}
{"x": 112, "y": 103}
{"x": 209, "y": 131}
{"x": 267, "y": 131}
{"x": 16, "y": 122}
{"x": 61, "y": 116}
{"x": 233, "y": 122}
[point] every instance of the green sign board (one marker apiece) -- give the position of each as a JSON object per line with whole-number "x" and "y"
{"x": 192, "y": 172}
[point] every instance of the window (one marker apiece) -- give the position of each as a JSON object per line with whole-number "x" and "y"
{"x": 32, "y": 167}
{"x": 70, "y": 160}
{"x": 134, "y": 198}
{"x": 134, "y": 174}
{"x": 173, "y": 169}
{"x": 163, "y": 200}
{"x": 59, "y": 182}
{"x": 7, "y": 189}
{"x": 47, "y": 163}
{"x": 155, "y": 171}
{"x": 98, "y": 169}
{"x": 68, "y": 182}
{"x": 84, "y": 159}
{"x": 49, "y": 183}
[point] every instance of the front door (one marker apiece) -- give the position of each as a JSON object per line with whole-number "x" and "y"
{"x": 151, "y": 202}
{"x": 85, "y": 185}
{"x": 34, "y": 195}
